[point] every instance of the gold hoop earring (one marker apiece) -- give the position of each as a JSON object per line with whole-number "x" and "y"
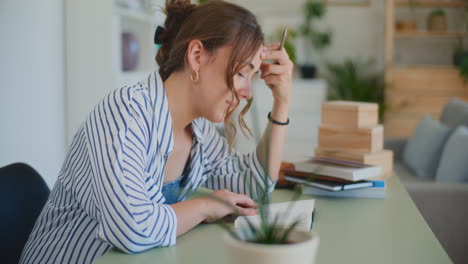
{"x": 194, "y": 80}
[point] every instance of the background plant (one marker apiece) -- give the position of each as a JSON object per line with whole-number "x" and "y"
{"x": 463, "y": 69}
{"x": 313, "y": 11}
{"x": 354, "y": 81}
{"x": 437, "y": 12}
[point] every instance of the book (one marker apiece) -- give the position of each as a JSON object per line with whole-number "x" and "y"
{"x": 306, "y": 176}
{"x": 334, "y": 185}
{"x": 371, "y": 192}
{"x": 347, "y": 170}
{"x": 287, "y": 213}
{"x": 382, "y": 158}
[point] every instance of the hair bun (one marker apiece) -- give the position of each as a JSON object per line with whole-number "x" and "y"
{"x": 176, "y": 12}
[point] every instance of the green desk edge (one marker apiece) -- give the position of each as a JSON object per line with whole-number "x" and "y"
{"x": 351, "y": 230}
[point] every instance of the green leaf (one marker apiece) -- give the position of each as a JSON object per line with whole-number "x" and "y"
{"x": 287, "y": 232}
{"x": 228, "y": 228}
{"x": 272, "y": 230}
{"x": 463, "y": 68}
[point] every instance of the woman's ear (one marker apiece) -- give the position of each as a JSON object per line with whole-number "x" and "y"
{"x": 195, "y": 52}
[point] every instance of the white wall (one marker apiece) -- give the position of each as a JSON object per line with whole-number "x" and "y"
{"x": 90, "y": 40}
{"x": 32, "y": 85}
{"x": 358, "y": 31}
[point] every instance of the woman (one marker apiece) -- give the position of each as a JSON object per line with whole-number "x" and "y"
{"x": 146, "y": 148}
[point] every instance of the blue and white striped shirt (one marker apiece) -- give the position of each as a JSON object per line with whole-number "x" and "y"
{"x": 108, "y": 193}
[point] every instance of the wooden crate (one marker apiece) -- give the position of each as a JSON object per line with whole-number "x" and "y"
{"x": 350, "y": 114}
{"x": 383, "y": 158}
{"x": 362, "y": 140}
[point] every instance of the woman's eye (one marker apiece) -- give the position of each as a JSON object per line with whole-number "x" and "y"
{"x": 241, "y": 75}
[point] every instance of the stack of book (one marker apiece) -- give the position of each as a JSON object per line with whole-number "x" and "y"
{"x": 349, "y": 159}
{"x": 329, "y": 177}
{"x": 350, "y": 132}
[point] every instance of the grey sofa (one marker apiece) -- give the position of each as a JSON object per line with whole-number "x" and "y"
{"x": 444, "y": 206}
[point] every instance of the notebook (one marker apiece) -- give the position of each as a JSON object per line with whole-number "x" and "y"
{"x": 332, "y": 185}
{"x": 371, "y": 192}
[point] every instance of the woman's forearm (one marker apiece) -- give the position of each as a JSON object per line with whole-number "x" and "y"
{"x": 271, "y": 146}
{"x": 189, "y": 214}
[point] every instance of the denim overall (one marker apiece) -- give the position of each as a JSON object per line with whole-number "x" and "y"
{"x": 171, "y": 190}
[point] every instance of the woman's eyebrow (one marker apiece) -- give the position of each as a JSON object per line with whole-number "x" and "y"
{"x": 253, "y": 67}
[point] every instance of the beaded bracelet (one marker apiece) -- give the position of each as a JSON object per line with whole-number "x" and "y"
{"x": 277, "y": 122}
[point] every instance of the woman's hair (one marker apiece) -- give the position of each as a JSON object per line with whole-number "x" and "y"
{"x": 215, "y": 24}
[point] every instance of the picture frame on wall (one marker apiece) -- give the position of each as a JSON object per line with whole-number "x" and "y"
{"x": 348, "y": 2}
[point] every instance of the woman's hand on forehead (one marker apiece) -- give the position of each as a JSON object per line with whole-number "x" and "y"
{"x": 278, "y": 76}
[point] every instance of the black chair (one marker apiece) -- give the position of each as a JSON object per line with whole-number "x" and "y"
{"x": 23, "y": 194}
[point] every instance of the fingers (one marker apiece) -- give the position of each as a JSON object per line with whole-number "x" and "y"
{"x": 269, "y": 69}
{"x": 246, "y": 211}
{"x": 274, "y": 46}
{"x": 273, "y": 81}
{"x": 233, "y": 201}
{"x": 244, "y": 205}
{"x": 281, "y": 56}
{"x": 245, "y": 202}
{"x": 272, "y": 52}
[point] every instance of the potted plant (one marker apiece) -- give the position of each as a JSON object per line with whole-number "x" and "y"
{"x": 354, "y": 81}
{"x": 437, "y": 20}
{"x": 313, "y": 11}
{"x": 270, "y": 240}
{"x": 408, "y": 25}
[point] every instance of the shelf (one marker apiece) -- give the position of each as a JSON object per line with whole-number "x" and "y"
{"x": 428, "y": 3}
{"x": 424, "y": 67}
{"x": 430, "y": 34}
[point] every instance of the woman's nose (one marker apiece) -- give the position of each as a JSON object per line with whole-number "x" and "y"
{"x": 245, "y": 92}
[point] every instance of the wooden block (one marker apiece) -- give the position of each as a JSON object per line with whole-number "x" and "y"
{"x": 362, "y": 140}
{"x": 383, "y": 158}
{"x": 350, "y": 114}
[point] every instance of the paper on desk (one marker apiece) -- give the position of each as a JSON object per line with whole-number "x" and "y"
{"x": 289, "y": 213}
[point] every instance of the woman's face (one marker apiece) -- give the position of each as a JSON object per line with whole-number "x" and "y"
{"x": 214, "y": 97}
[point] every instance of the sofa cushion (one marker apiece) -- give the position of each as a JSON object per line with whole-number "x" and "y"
{"x": 422, "y": 152}
{"x": 455, "y": 113}
{"x": 397, "y": 145}
{"x": 405, "y": 175}
{"x": 453, "y": 166}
